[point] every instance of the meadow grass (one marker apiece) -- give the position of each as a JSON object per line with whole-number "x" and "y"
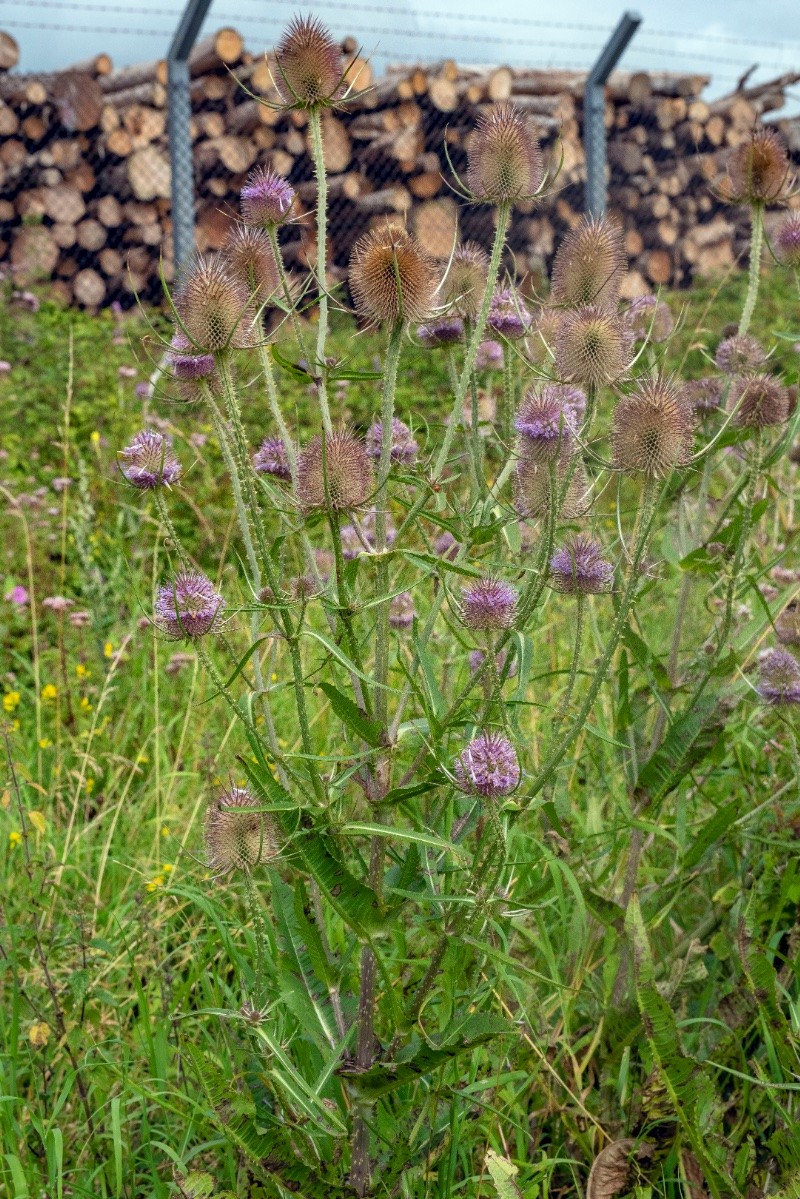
{"x": 119, "y": 950}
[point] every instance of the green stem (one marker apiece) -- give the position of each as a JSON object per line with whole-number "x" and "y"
{"x": 277, "y": 415}
{"x": 320, "y": 174}
{"x": 754, "y": 278}
{"x": 287, "y": 291}
{"x": 508, "y": 397}
{"x": 302, "y": 718}
{"x": 166, "y": 520}
{"x": 381, "y": 523}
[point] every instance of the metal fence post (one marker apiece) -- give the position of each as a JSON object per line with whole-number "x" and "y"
{"x": 594, "y": 129}
{"x": 179, "y": 112}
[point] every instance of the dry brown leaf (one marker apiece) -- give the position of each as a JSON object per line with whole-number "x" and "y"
{"x": 610, "y": 1173}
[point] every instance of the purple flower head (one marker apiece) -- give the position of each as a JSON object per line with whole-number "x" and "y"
{"x": 487, "y": 767}
{"x": 508, "y": 316}
{"x": 489, "y": 356}
{"x": 190, "y": 606}
{"x": 477, "y": 657}
{"x": 5, "y": 367}
{"x": 127, "y": 372}
{"x": 404, "y": 447}
{"x": 272, "y": 459}
{"x": 185, "y": 364}
{"x": 544, "y": 423}
{"x": 579, "y": 568}
{"x": 443, "y": 332}
{"x": 142, "y": 391}
{"x": 649, "y": 317}
{"x": 490, "y": 603}
{"x": 742, "y": 352}
{"x": 18, "y": 595}
{"x": 266, "y": 198}
{"x": 149, "y": 462}
{"x": 787, "y": 241}
{"x": 703, "y": 395}
{"x": 401, "y": 611}
{"x": 779, "y": 681}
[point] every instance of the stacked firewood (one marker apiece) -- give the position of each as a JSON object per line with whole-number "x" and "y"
{"x": 85, "y": 175}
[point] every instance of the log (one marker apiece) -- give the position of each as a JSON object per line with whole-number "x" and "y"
{"x": 101, "y": 65}
{"x": 78, "y": 100}
{"x": 435, "y": 224}
{"x": 34, "y": 254}
{"x": 9, "y": 51}
{"x": 89, "y": 288}
{"x": 220, "y": 49}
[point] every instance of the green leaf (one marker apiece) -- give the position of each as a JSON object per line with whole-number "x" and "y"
{"x": 338, "y": 654}
{"x": 437, "y": 564}
{"x": 712, "y": 830}
{"x": 645, "y": 657}
{"x": 400, "y": 834}
{"x": 502, "y": 1173}
{"x": 351, "y": 715}
{"x": 678, "y": 754}
{"x": 293, "y": 931}
{"x": 240, "y": 665}
{"x": 763, "y": 985}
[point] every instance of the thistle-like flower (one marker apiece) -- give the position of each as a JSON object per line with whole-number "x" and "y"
{"x": 404, "y": 447}
{"x": 758, "y": 172}
{"x": 445, "y": 331}
{"x": 489, "y": 356}
{"x": 649, "y": 317}
{"x": 787, "y": 241}
{"x": 579, "y": 568}
{"x": 346, "y": 469}
{"x": 392, "y": 279}
{"x": 149, "y": 461}
{"x": 779, "y": 678}
{"x": 703, "y": 395}
{"x": 592, "y": 347}
{"x": 508, "y": 316}
{"x": 652, "y": 429}
{"x": 589, "y": 265}
{"x": 272, "y": 459}
{"x": 310, "y": 70}
{"x": 504, "y": 162}
{"x": 239, "y": 834}
{"x": 760, "y": 400}
{"x": 739, "y": 353}
{"x": 535, "y": 493}
{"x": 266, "y": 198}
{"x": 188, "y": 366}
{"x": 250, "y": 258}
{"x": 489, "y": 604}
{"x": 214, "y": 308}
{"x": 465, "y": 281}
{"x": 401, "y": 611}
{"x": 545, "y": 423}
{"x": 189, "y": 606}
{"x": 487, "y": 767}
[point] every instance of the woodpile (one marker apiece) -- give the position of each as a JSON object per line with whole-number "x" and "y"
{"x": 85, "y": 175}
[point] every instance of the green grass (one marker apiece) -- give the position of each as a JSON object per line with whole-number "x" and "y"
{"x": 120, "y": 954}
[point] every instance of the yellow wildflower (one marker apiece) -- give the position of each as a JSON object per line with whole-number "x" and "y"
{"x": 108, "y": 649}
{"x": 39, "y": 1035}
{"x": 94, "y": 437}
{"x": 14, "y": 838}
{"x": 11, "y": 700}
{"x": 85, "y": 705}
{"x": 81, "y": 671}
{"x": 167, "y": 868}
{"x": 155, "y": 883}
{"x": 45, "y": 743}
{"x": 274, "y": 677}
{"x": 165, "y": 831}
{"x": 49, "y": 691}
{"x": 89, "y": 786}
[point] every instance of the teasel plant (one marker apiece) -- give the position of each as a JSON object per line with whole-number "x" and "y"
{"x": 387, "y": 860}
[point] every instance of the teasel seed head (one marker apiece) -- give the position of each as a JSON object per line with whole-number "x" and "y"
{"x": 401, "y": 611}
{"x": 545, "y": 424}
{"x": 761, "y": 401}
{"x": 589, "y": 264}
{"x": 652, "y": 429}
{"x": 508, "y": 315}
{"x": 489, "y": 604}
{"x": 214, "y": 308}
{"x": 758, "y": 172}
{"x": 579, "y": 568}
{"x": 649, "y": 317}
{"x": 239, "y": 835}
{"x": 250, "y": 258}
{"x": 302, "y": 588}
{"x": 504, "y": 159}
{"x": 149, "y": 461}
{"x": 271, "y": 458}
{"x": 465, "y": 281}
{"x": 779, "y": 678}
{"x": 347, "y": 467}
{"x": 444, "y": 331}
{"x": 739, "y": 353}
{"x": 188, "y": 607}
{"x": 787, "y": 241}
{"x": 392, "y": 279}
{"x": 592, "y": 347}
{"x": 309, "y": 67}
{"x": 703, "y": 395}
{"x": 488, "y": 767}
{"x": 535, "y": 494}
{"x": 404, "y": 447}
{"x": 266, "y": 198}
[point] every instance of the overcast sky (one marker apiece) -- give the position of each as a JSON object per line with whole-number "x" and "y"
{"x": 722, "y": 39}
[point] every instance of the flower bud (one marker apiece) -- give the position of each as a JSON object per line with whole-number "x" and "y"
{"x": 652, "y": 429}
{"x": 702, "y": 395}
{"x": 589, "y": 264}
{"x": 149, "y": 461}
{"x": 239, "y": 835}
{"x": 578, "y": 568}
{"x": 445, "y": 331}
{"x": 504, "y": 159}
{"x": 266, "y": 198}
{"x": 391, "y": 277}
{"x": 787, "y": 241}
{"x": 347, "y": 470}
{"x": 544, "y": 423}
{"x": 189, "y": 607}
{"x": 487, "y": 767}
{"x": 309, "y": 67}
{"x": 739, "y": 353}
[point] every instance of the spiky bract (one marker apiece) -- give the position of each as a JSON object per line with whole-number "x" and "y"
{"x": 652, "y": 428}
{"x": 779, "y": 678}
{"x": 504, "y": 159}
{"x": 346, "y": 468}
{"x": 592, "y": 346}
{"x": 188, "y": 366}
{"x": 251, "y": 259}
{"x": 508, "y": 315}
{"x": 589, "y": 265}
{"x": 190, "y": 606}
{"x": 787, "y": 241}
{"x": 758, "y": 172}
{"x": 239, "y": 835}
{"x": 487, "y": 767}
{"x": 489, "y": 603}
{"x": 392, "y": 279}
{"x": 309, "y": 67}
{"x": 579, "y": 568}
{"x": 740, "y": 353}
{"x": 149, "y": 461}
{"x": 760, "y": 401}
{"x": 465, "y": 281}
{"x": 271, "y": 458}
{"x": 404, "y": 447}
{"x": 214, "y": 307}
{"x": 266, "y": 198}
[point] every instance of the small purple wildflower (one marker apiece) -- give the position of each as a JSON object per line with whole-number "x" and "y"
{"x": 401, "y": 611}
{"x": 127, "y": 372}
{"x": 489, "y": 356}
{"x": 149, "y": 462}
{"x": 143, "y": 391}
{"x": 443, "y": 332}
{"x": 404, "y": 447}
{"x": 18, "y": 595}
{"x": 190, "y": 606}
{"x": 487, "y": 767}
{"x": 578, "y": 568}
{"x": 491, "y": 603}
{"x": 5, "y": 367}
{"x": 272, "y": 459}
{"x": 79, "y": 620}
{"x": 508, "y": 316}
{"x": 779, "y": 681}
{"x": 266, "y": 198}
{"x": 446, "y": 546}
{"x": 703, "y": 395}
